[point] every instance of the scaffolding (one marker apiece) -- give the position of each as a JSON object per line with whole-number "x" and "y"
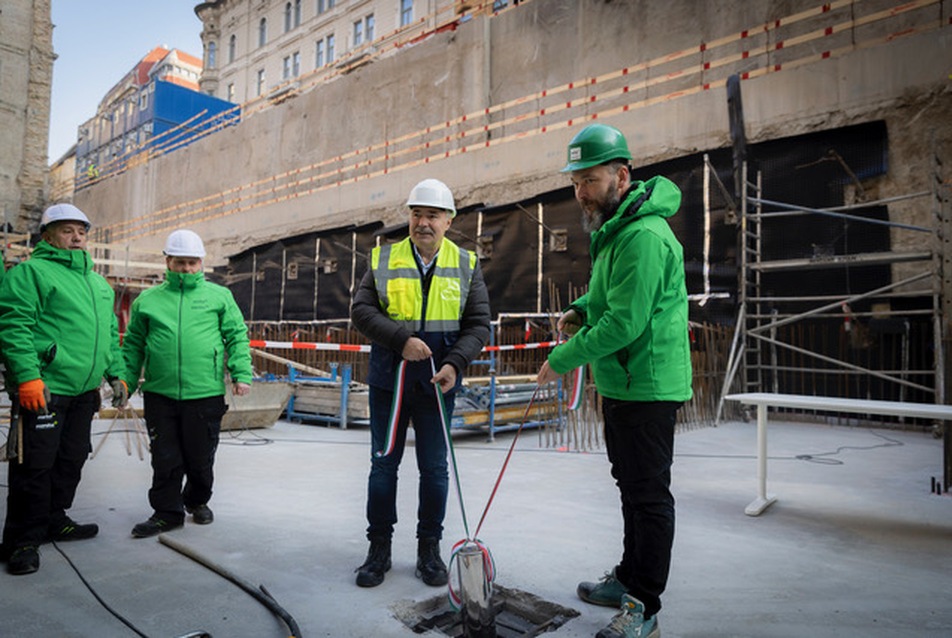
{"x": 754, "y": 363}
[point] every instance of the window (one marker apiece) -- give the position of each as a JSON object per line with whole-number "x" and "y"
{"x": 325, "y": 5}
{"x": 259, "y": 89}
{"x": 263, "y": 32}
{"x": 296, "y": 63}
{"x": 369, "y": 27}
{"x": 232, "y": 47}
{"x": 406, "y": 12}
{"x": 287, "y": 68}
{"x": 297, "y": 13}
{"x": 358, "y": 33}
{"x": 211, "y": 55}
{"x": 231, "y": 92}
{"x": 324, "y": 52}
{"x": 287, "y": 17}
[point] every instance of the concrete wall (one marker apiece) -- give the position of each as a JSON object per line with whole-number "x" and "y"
{"x": 26, "y": 76}
{"x": 334, "y": 155}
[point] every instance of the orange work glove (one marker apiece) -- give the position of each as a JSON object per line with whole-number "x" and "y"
{"x": 34, "y": 395}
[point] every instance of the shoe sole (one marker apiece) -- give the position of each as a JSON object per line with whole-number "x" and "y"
{"x": 598, "y": 601}
{"x": 150, "y": 534}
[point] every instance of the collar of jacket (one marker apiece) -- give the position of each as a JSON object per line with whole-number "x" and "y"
{"x": 78, "y": 260}
{"x": 184, "y": 281}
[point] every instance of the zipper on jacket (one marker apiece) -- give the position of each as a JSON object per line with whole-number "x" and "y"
{"x": 178, "y": 339}
{"x": 92, "y": 364}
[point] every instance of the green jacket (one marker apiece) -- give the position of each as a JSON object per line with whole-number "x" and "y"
{"x": 180, "y": 332}
{"x": 635, "y": 313}
{"x": 57, "y": 322}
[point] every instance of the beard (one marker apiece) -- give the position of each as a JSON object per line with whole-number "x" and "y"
{"x": 603, "y": 210}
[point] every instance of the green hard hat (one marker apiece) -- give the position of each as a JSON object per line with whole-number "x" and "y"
{"x": 596, "y": 144}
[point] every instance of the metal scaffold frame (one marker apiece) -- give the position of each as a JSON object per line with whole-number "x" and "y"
{"x": 753, "y": 364}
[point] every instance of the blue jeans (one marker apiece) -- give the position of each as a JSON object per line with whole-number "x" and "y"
{"x": 419, "y": 405}
{"x": 639, "y": 438}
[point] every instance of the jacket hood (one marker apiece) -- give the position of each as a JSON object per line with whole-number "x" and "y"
{"x": 78, "y": 260}
{"x": 657, "y": 196}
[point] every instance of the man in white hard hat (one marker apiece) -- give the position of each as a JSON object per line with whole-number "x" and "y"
{"x": 193, "y": 332}
{"x": 59, "y": 337}
{"x": 423, "y": 301}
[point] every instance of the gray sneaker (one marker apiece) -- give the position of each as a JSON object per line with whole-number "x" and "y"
{"x": 607, "y": 592}
{"x": 630, "y": 622}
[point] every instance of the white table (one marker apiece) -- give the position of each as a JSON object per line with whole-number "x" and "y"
{"x": 763, "y": 400}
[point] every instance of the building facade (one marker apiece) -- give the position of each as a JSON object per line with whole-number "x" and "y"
{"x": 259, "y": 48}
{"x": 26, "y": 77}
{"x": 155, "y": 107}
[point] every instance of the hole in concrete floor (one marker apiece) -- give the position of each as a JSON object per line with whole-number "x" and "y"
{"x": 518, "y": 613}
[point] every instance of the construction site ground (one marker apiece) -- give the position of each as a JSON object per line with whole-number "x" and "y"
{"x": 856, "y": 545}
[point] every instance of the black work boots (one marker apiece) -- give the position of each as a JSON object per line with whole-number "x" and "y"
{"x": 370, "y": 574}
{"x": 430, "y": 567}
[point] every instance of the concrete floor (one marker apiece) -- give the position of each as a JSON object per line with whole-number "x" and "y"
{"x": 857, "y": 545}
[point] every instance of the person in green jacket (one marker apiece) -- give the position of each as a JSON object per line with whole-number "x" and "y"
{"x": 183, "y": 334}
{"x": 59, "y": 337}
{"x": 632, "y": 327}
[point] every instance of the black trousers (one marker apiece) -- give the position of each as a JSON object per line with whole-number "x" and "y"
{"x": 639, "y": 438}
{"x": 43, "y": 484}
{"x": 184, "y": 438}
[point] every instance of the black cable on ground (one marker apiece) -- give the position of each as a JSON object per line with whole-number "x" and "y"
{"x": 102, "y": 602}
{"x": 260, "y": 594}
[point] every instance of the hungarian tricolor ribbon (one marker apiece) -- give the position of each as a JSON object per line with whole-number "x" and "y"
{"x": 578, "y": 388}
{"x": 398, "y": 383}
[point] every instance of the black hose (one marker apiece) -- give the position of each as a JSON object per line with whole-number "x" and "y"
{"x": 262, "y": 595}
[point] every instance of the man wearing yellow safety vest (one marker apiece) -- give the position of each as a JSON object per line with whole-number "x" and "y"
{"x": 59, "y": 337}
{"x": 423, "y": 301}
{"x": 632, "y": 327}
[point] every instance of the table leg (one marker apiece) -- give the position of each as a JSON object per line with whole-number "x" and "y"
{"x": 763, "y": 501}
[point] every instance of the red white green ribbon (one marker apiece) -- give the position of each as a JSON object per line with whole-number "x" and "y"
{"x": 578, "y": 388}
{"x": 398, "y": 384}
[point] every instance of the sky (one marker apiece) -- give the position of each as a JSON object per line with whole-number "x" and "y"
{"x": 97, "y": 43}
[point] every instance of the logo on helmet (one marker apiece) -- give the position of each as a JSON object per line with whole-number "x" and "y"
{"x": 575, "y": 153}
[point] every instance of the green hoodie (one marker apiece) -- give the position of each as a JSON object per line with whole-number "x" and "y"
{"x": 57, "y": 322}
{"x": 635, "y": 313}
{"x": 180, "y": 331}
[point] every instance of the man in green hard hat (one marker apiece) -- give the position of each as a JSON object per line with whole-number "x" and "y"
{"x": 632, "y": 327}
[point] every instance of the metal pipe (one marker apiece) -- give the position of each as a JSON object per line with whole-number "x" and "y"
{"x": 818, "y": 211}
{"x": 476, "y": 611}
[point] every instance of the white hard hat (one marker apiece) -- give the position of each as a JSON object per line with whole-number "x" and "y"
{"x": 62, "y": 213}
{"x": 184, "y": 243}
{"x": 432, "y": 193}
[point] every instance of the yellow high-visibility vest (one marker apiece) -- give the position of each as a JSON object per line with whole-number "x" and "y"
{"x": 400, "y": 288}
